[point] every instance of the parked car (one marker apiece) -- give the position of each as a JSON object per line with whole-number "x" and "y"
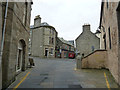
{"x": 71, "y": 55}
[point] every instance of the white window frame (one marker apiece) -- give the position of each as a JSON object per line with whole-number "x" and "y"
{"x": 52, "y": 53}
{"x": 19, "y": 48}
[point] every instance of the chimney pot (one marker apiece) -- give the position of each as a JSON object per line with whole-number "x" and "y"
{"x": 37, "y": 21}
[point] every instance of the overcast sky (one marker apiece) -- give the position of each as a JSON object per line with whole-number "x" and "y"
{"x": 68, "y": 16}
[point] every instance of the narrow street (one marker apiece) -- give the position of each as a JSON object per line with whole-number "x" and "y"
{"x": 61, "y": 73}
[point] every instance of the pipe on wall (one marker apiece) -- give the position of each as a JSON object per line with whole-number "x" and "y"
{"x": 4, "y": 27}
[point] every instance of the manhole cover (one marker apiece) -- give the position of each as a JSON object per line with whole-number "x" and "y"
{"x": 75, "y": 86}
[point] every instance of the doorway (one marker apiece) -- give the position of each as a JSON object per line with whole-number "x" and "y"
{"x": 46, "y": 52}
{"x": 20, "y": 64}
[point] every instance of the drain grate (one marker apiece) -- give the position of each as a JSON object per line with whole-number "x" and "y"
{"x": 75, "y": 86}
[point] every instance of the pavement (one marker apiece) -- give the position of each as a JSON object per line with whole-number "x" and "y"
{"x": 61, "y": 73}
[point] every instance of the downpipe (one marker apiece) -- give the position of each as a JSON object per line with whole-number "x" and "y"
{"x": 4, "y": 27}
{"x": 2, "y": 42}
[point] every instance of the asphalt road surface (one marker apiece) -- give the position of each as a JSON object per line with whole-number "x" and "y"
{"x": 61, "y": 73}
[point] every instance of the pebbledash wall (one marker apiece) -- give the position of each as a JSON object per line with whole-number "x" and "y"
{"x": 87, "y": 42}
{"x": 15, "y": 52}
{"x": 110, "y": 36}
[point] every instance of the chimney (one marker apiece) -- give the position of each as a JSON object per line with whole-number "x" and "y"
{"x": 37, "y": 21}
{"x": 86, "y": 27}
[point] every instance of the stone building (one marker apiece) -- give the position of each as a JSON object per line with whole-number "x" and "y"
{"x": 43, "y": 39}
{"x": 110, "y": 36}
{"x": 71, "y": 42}
{"x": 87, "y": 42}
{"x": 0, "y": 45}
{"x": 63, "y": 48}
{"x": 30, "y": 40}
{"x": 15, "y": 50}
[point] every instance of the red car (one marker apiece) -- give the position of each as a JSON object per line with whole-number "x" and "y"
{"x": 71, "y": 55}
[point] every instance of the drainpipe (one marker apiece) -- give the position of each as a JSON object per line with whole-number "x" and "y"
{"x": 4, "y": 26}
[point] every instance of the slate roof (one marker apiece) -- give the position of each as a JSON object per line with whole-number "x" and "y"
{"x": 65, "y": 41}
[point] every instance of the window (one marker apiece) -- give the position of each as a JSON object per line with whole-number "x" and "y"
{"x": 64, "y": 54}
{"x": 109, "y": 37}
{"x": 46, "y": 52}
{"x": 52, "y": 40}
{"x": 93, "y": 48}
{"x": 70, "y": 48}
{"x": 49, "y": 40}
{"x": 52, "y": 32}
{"x": 107, "y": 4}
{"x": 25, "y": 14}
{"x": 19, "y": 57}
{"x": 51, "y": 51}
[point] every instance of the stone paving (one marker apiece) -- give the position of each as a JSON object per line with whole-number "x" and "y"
{"x": 61, "y": 73}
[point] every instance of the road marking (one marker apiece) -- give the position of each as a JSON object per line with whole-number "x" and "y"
{"x": 107, "y": 81}
{"x": 21, "y": 81}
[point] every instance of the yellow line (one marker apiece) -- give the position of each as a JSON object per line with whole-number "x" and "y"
{"x": 107, "y": 81}
{"x": 21, "y": 81}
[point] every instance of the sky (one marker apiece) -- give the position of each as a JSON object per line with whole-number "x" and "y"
{"x": 68, "y": 16}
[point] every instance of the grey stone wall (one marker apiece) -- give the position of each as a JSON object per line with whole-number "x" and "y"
{"x": 42, "y": 35}
{"x": 110, "y": 20}
{"x": 0, "y": 44}
{"x": 37, "y": 42}
{"x": 0, "y": 23}
{"x": 40, "y": 41}
{"x": 16, "y": 30}
{"x": 118, "y": 20}
{"x": 86, "y": 41}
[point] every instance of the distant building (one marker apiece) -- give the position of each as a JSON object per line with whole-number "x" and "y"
{"x": 15, "y": 50}
{"x": 71, "y": 41}
{"x": 30, "y": 41}
{"x": 43, "y": 39}
{"x": 63, "y": 48}
{"x": 87, "y": 41}
{"x": 110, "y": 36}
